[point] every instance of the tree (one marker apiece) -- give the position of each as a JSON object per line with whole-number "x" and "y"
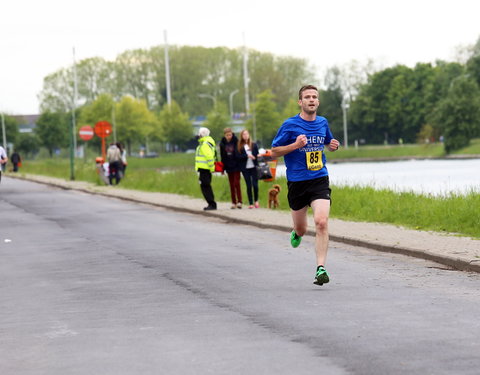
{"x": 217, "y": 120}
{"x": 58, "y": 92}
{"x": 459, "y": 113}
{"x": 266, "y": 117}
{"x": 290, "y": 110}
{"x": 134, "y": 121}
{"x": 53, "y": 130}
{"x": 27, "y": 144}
{"x": 176, "y": 126}
{"x": 101, "y": 109}
{"x": 193, "y": 70}
{"x": 11, "y": 129}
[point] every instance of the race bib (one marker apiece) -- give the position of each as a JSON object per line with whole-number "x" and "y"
{"x": 314, "y": 160}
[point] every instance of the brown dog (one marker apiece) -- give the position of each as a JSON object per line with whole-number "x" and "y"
{"x": 273, "y": 196}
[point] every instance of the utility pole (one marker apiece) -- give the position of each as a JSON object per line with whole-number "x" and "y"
{"x": 73, "y": 138}
{"x": 245, "y": 84}
{"x": 167, "y": 70}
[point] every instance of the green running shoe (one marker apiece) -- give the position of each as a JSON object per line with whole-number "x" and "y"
{"x": 295, "y": 239}
{"x": 321, "y": 277}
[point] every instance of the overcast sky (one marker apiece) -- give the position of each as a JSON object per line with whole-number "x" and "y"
{"x": 37, "y": 36}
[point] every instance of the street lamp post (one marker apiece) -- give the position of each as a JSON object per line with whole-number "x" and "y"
{"x": 345, "y": 106}
{"x": 210, "y": 97}
{"x": 231, "y": 102}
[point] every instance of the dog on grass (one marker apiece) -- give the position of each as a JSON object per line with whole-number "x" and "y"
{"x": 273, "y": 196}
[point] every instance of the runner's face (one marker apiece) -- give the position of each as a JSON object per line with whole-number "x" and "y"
{"x": 228, "y": 136}
{"x": 309, "y": 102}
{"x": 245, "y": 135}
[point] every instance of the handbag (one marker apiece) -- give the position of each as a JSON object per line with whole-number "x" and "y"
{"x": 219, "y": 167}
{"x": 263, "y": 171}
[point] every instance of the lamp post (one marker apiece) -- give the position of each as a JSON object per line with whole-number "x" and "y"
{"x": 345, "y": 106}
{"x": 210, "y": 97}
{"x": 231, "y": 102}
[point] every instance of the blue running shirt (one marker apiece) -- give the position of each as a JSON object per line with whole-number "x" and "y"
{"x": 308, "y": 162}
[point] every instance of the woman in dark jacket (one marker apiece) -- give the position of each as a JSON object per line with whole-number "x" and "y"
{"x": 247, "y": 157}
{"x": 228, "y": 146}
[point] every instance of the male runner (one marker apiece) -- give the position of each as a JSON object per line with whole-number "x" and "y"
{"x": 301, "y": 140}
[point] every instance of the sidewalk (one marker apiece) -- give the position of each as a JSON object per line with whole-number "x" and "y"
{"x": 457, "y": 252}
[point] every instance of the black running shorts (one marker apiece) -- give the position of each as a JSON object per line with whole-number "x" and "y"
{"x": 302, "y": 193}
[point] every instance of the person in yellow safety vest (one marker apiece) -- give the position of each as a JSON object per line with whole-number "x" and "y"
{"x": 205, "y": 165}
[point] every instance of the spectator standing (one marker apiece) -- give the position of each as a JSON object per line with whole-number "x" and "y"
{"x": 247, "y": 156}
{"x": 123, "y": 156}
{"x": 16, "y": 160}
{"x": 205, "y": 165}
{"x": 228, "y": 155}
{"x": 114, "y": 159}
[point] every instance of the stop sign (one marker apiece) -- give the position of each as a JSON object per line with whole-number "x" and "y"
{"x": 86, "y": 132}
{"x": 103, "y": 129}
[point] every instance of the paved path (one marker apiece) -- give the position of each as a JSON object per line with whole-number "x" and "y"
{"x": 454, "y": 251}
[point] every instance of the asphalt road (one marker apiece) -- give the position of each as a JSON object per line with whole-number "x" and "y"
{"x": 93, "y": 285}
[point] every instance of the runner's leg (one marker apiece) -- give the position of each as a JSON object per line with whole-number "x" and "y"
{"x": 300, "y": 223}
{"x": 321, "y": 211}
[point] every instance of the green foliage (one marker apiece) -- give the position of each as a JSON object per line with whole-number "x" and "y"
{"x": 459, "y": 113}
{"x": 177, "y": 128}
{"x": 53, "y": 130}
{"x": 453, "y": 214}
{"x": 217, "y": 120}
{"x": 173, "y": 173}
{"x": 11, "y": 128}
{"x": 141, "y": 74}
{"x": 266, "y": 117}
{"x": 27, "y": 144}
{"x": 134, "y": 121}
{"x": 100, "y": 109}
{"x": 292, "y": 108}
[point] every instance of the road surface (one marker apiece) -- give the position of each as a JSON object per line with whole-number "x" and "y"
{"x": 93, "y": 285}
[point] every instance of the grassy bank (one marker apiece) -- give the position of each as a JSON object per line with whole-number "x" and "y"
{"x": 174, "y": 174}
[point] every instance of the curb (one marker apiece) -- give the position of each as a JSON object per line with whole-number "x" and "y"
{"x": 453, "y": 263}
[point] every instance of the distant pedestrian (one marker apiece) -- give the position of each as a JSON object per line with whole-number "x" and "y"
{"x": 16, "y": 160}
{"x": 228, "y": 155}
{"x": 3, "y": 161}
{"x": 114, "y": 159}
{"x": 247, "y": 156}
{"x": 123, "y": 156}
{"x": 205, "y": 165}
{"x": 302, "y": 140}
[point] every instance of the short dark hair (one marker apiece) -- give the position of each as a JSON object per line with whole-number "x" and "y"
{"x": 306, "y": 87}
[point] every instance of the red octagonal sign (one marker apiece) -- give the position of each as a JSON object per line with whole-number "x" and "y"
{"x": 103, "y": 129}
{"x": 86, "y": 132}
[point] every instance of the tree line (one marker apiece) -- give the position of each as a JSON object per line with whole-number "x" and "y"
{"x": 389, "y": 105}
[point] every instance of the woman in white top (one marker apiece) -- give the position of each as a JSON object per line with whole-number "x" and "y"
{"x": 3, "y": 160}
{"x": 247, "y": 157}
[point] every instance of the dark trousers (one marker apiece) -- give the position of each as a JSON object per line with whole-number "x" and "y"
{"x": 250, "y": 176}
{"x": 15, "y": 167}
{"x": 205, "y": 178}
{"x": 235, "y": 189}
{"x": 115, "y": 172}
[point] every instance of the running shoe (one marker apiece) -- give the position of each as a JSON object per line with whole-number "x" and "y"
{"x": 295, "y": 239}
{"x": 321, "y": 277}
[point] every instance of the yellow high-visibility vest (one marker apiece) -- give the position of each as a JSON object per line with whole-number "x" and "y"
{"x": 205, "y": 154}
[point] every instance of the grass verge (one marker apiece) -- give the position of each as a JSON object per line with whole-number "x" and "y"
{"x": 449, "y": 214}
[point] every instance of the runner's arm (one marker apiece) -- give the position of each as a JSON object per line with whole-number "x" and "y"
{"x": 283, "y": 150}
{"x": 333, "y": 145}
